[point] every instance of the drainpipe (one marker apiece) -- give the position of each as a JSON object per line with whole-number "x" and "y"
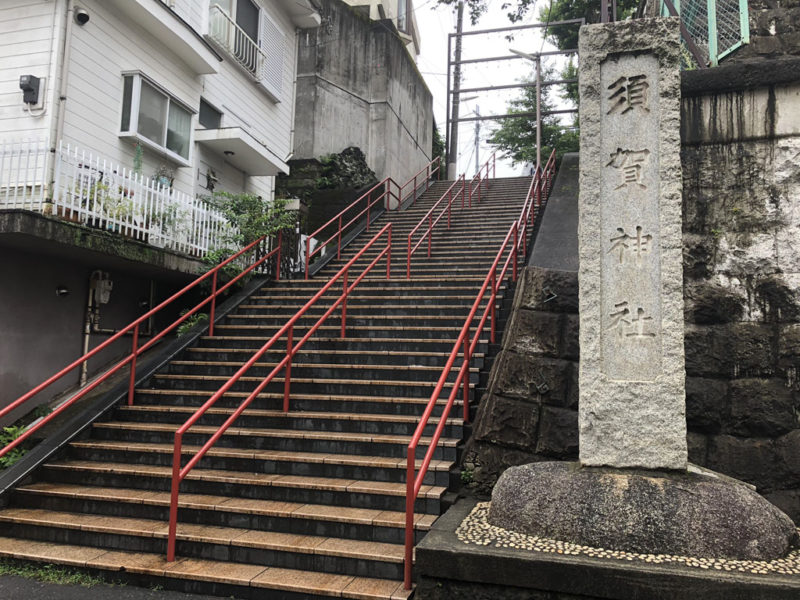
{"x": 66, "y": 49}
{"x": 294, "y": 94}
{"x": 87, "y": 332}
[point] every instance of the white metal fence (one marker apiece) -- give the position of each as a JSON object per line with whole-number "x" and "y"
{"x": 98, "y": 193}
{"x": 23, "y": 172}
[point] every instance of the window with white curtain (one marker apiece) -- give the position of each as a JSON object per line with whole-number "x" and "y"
{"x": 156, "y": 118}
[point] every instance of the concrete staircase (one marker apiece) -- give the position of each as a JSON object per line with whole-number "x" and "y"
{"x": 304, "y": 504}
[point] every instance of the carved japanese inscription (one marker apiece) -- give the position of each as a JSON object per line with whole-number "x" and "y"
{"x": 630, "y": 290}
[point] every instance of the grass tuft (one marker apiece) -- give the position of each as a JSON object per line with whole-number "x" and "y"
{"x": 48, "y": 573}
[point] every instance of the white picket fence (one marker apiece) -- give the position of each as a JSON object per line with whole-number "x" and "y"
{"x": 99, "y": 193}
{"x": 23, "y": 169}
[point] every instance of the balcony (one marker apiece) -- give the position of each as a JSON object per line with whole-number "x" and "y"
{"x": 232, "y": 39}
{"x": 90, "y": 190}
{"x": 241, "y": 150}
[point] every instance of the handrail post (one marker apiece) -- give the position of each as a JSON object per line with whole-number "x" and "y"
{"x": 287, "y": 382}
{"x": 308, "y": 252}
{"x": 449, "y": 204}
{"x": 134, "y": 352}
{"x": 430, "y": 233}
{"x": 466, "y": 375}
{"x": 410, "y": 485}
{"x": 515, "y": 251}
{"x": 213, "y": 303}
{"x": 408, "y": 258}
{"x": 278, "y": 257}
{"x": 389, "y": 254}
{"x": 339, "y": 244}
{"x": 173, "y": 500}
{"x": 344, "y": 301}
{"x": 493, "y": 306}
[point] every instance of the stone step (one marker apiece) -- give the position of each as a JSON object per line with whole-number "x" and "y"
{"x": 252, "y": 438}
{"x": 297, "y": 489}
{"x": 364, "y": 404}
{"x": 199, "y": 575}
{"x": 276, "y": 462}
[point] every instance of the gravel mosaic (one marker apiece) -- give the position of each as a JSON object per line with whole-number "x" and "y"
{"x": 476, "y": 529}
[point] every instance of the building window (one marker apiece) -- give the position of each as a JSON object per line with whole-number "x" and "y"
{"x": 155, "y": 118}
{"x": 209, "y": 117}
{"x": 404, "y": 15}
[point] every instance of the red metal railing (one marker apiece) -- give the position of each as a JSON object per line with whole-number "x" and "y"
{"x": 479, "y": 180}
{"x": 467, "y": 192}
{"x": 178, "y": 473}
{"x": 136, "y": 349}
{"x": 449, "y": 195}
{"x": 512, "y": 244}
{"x": 353, "y": 213}
{"x": 431, "y": 169}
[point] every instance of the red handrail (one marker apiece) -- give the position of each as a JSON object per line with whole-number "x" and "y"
{"x": 517, "y": 232}
{"x": 178, "y": 473}
{"x": 136, "y": 350}
{"x": 386, "y": 184}
{"x": 429, "y": 170}
{"x": 432, "y": 223}
{"x": 389, "y": 184}
{"x": 481, "y": 179}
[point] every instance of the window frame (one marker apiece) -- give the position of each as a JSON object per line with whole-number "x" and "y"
{"x": 133, "y": 118}
{"x": 213, "y": 107}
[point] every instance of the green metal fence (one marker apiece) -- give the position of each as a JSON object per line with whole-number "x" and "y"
{"x": 716, "y": 28}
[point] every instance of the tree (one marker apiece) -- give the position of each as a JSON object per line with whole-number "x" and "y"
{"x": 516, "y": 136}
{"x": 556, "y": 10}
{"x": 437, "y": 149}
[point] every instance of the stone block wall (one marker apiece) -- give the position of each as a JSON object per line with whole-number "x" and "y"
{"x": 530, "y": 410}
{"x": 741, "y": 198}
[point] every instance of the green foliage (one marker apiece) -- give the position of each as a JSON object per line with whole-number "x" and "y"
{"x": 8, "y": 435}
{"x": 251, "y": 216}
{"x": 48, "y": 573}
{"x": 565, "y": 36}
{"x": 190, "y": 322}
{"x": 516, "y": 137}
{"x": 467, "y": 475}
{"x": 438, "y": 145}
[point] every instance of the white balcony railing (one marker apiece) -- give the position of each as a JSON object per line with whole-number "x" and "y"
{"x": 224, "y": 31}
{"x": 23, "y": 172}
{"x": 97, "y": 193}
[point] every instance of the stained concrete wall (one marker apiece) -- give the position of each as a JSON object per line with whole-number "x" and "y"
{"x": 358, "y": 86}
{"x": 741, "y": 228}
{"x": 40, "y": 332}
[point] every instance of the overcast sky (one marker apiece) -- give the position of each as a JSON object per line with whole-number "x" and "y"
{"x": 435, "y": 22}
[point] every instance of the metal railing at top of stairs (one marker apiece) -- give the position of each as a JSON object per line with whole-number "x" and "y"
{"x": 133, "y": 330}
{"x": 513, "y": 244}
{"x": 473, "y": 189}
{"x": 388, "y": 186}
{"x": 178, "y": 473}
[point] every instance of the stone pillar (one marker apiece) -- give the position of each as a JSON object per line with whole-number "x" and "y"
{"x": 632, "y": 401}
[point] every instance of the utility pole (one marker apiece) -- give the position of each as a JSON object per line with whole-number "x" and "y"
{"x": 537, "y": 58}
{"x": 538, "y": 111}
{"x": 452, "y": 154}
{"x": 477, "y": 138}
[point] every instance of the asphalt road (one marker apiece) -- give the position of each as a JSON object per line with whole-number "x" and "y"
{"x": 19, "y": 588}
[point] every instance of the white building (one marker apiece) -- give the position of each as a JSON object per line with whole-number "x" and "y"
{"x": 203, "y": 88}
{"x": 116, "y": 117}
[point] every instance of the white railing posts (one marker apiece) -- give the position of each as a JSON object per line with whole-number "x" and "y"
{"x": 227, "y": 34}
{"x": 23, "y": 174}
